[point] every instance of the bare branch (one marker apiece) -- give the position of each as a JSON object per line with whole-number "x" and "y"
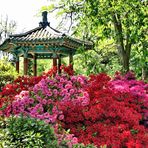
{"x": 56, "y": 8}
{"x": 71, "y": 22}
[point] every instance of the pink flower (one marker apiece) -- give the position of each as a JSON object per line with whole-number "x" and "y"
{"x": 75, "y": 140}
{"x": 44, "y": 101}
{"x": 31, "y": 100}
{"x": 85, "y": 94}
{"x": 46, "y": 115}
{"x": 49, "y": 94}
{"x": 73, "y": 78}
{"x": 71, "y": 91}
{"x": 60, "y": 86}
{"x": 85, "y": 102}
{"x": 62, "y": 80}
{"x": 63, "y": 92}
{"x": 55, "y": 92}
{"x": 61, "y": 117}
{"x": 67, "y": 95}
{"x": 68, "y": 86}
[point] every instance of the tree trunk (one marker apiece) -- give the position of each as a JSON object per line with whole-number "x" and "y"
{"x": 124, "y": 48}
{"x": 125, "y": 62}
{"x": 144, "y": 73}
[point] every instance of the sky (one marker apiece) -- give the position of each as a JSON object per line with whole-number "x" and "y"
{"x": 24, "y": 12}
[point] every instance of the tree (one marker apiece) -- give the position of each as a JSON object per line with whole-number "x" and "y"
{"x": 119, "y": 20}
{"x": 7, "y": 27}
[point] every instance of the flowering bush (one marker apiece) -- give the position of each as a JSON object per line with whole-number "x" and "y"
{"x": 137, "y": 89}
{"x": 27, "y": 83}
{"x": 110, "y": 117}
{"x": 97, "y": 110}
{"x": 11, "y": 90}
{"x": 40, "y": 102}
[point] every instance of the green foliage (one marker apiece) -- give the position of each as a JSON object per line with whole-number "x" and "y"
{"x": 116, "y": 27}
{"x": 25, "y": 132}
{"x": 83, "y": 146}
{"x": 2, "y": 132}
{"x": 7, "y": 72}
{"x": 30, "y": 67}
{"x": 98, "y": 60}
{"x": 43, "y": 65}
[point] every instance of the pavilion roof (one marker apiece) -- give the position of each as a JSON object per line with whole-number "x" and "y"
{"x": 44, "y": 37}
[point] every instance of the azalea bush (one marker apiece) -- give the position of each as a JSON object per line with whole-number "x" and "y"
{"x": 22, "y": 83}
{"x": 110, "y": 118}
{"x": 40, "y": 101}
{"x": 137, "y": 89}
{"x": 96, "y": 110}
{"x": 10, "y": 90}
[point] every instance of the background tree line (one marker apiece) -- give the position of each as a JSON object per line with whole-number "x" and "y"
{"x": 118, "y": 29}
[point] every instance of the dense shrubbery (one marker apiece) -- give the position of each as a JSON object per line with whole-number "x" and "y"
{"x": 97, "y": 110}
{"x": 27, "y": 132}
{"x": 7, "y": 72}
{"x": 10, "y": 90}
{"x": 137, "y": 89}
{"x": 110, "y": 118}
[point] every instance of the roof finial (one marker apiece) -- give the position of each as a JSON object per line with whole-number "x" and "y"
{"x": 44, "y": 22}
{"x": 44, "y": 16}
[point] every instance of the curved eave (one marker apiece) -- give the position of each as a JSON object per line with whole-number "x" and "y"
{"x": 65, "y": 41}
{"x": 7, "y": 45}
{"x": 26, "y": 33}
{"x": 59, "y": 42}
{"x": 78, "y": 43}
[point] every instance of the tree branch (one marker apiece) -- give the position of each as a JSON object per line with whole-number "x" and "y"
{"x": 128, "y": 43}
{"x": 56, "y": 8}
{"x": 119, "y": 32}
{"x": 71, "y": 21}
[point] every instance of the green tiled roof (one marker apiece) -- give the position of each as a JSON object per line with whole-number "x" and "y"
{"x": 44, "y": 35}
{"x": 43, "y": 40}
{"x": 38, "y": 34}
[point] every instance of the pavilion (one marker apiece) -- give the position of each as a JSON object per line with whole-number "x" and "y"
{"x": 43, "y": 42}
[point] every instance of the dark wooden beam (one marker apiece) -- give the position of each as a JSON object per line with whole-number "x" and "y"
{"x": 54, "y": 62}
{"x": 17, "y": 64}
{"x": 71, "y": 59}
{"x": 25, "y": 65}
{"x": 59, "y": 65}
{"x": 34, "y": 65}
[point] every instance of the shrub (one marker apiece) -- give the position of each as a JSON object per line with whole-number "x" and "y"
{"x": 137, "y": 89}
{"x": 11, "y": 90}
{"x": 7, "y": 72}
{"x": 111, "y": 118}
{"x": 97, "y": 111}
{"x": 40, "y": 101}
{"x": 23, "y": 83}
{"x": 28, "y": 132}
{"x": 84, "y": 146}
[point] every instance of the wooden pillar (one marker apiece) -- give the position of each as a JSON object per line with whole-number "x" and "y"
{"x": 71, "y": 59}
{"x": 17, "y": 64}
{"x": 54, "y": 62}
{"x": 59, "y": 65}
{"x": 25, "y": 65}
{"x": 34, "y": 65}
